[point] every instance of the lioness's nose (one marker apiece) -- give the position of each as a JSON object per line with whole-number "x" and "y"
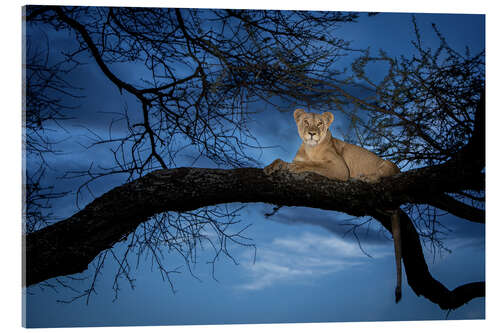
{"x": 311, "y": 133}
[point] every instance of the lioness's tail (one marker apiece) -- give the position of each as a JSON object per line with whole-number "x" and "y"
{"x": 396, "y": 235}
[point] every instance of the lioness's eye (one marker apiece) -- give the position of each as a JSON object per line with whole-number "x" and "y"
{"x": 320, "y": 123}
{"x": 306, "y": 123}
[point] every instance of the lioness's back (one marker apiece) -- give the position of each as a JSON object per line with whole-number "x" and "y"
{"x": 362, "y": 162}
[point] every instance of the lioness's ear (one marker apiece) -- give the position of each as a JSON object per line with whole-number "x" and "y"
{"x": 328, "y": 117}
{"x": 298, "y": 113}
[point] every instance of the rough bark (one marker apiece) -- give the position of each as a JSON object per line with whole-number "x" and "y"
{"x": 67, "y": 247}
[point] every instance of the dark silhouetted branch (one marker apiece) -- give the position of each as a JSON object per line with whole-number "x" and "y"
{"x": 67, "y": 247}
{"x": 95, "y": 52}
{"x": 459, "y": 209}
{"x": 417, "y": 272}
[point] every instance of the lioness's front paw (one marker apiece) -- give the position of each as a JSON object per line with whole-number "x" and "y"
{"x": 368, "y": 178}
{"x": 295, "y": 168}
{"x": 278, "y": 164}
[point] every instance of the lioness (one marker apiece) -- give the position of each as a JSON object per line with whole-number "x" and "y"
{"x": 333, "y": 158}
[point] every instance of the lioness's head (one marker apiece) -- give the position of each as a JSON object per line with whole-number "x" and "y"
{"x": 312, "y": 127}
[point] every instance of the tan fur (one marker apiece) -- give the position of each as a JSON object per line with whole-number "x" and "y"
{"x": 333, "y": 158}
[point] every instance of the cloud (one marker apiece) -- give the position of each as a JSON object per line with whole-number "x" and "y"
{"x": 301, "y": 259}
{"x": 338, "y": 223}
{"x": 309, "y": 243}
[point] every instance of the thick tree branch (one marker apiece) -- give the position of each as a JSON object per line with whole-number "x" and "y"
{"x": 457, "y": 208}
{"x": 73, "y": 243}
{"x": 417, "y": 272}
{"x": 474, "y": 152}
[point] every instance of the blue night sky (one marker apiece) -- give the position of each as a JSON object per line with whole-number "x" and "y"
{"x": 306, "y": 268}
